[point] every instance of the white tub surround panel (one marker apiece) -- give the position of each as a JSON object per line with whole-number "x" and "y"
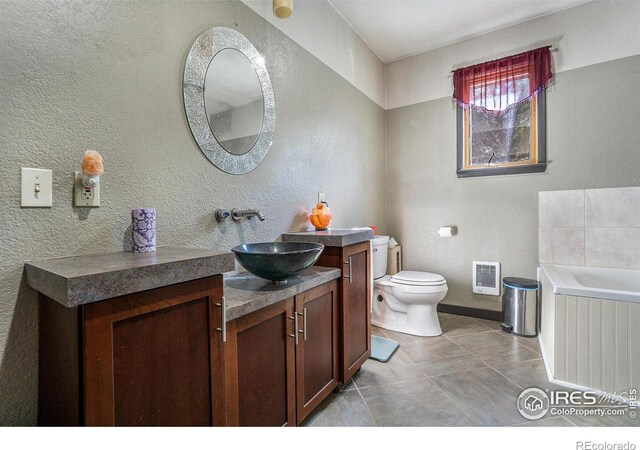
{"x": 547, "y": 320}
{"x": 594, "y": 346}
{"x": 590, "y": 342}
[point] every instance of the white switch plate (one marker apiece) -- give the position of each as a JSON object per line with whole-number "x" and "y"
{"x": 320, "y": 197}
{"x": 84, "y": 197}
{"x": 36, "y": 188}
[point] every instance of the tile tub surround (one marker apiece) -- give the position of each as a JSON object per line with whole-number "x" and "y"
{"x": 77, "y": 280}
{"x": 476, "y": 389}
{"x": 613, "y": 247}
{"x": 590, "y": 227}
{"x": 331, "y": 238}
{"x": 613, "y": 207}
{"x": 245, "y": 293}
{"x": 561, "y": 208}
{"x": 562, "y": 245}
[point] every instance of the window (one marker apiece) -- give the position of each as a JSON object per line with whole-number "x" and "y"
{"x": 501, "y": 115}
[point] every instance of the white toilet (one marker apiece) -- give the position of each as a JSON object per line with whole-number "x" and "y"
{"x": 405, "y": 302}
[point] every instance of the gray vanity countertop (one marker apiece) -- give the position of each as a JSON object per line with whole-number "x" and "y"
{"x": 78, "y": 280}
{"x": 245, "y": 293}
{"x": 331, "y": 238}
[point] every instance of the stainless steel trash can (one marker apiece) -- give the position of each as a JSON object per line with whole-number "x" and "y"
{"x": 520, "y": 306}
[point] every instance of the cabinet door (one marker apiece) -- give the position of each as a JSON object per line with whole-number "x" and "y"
{"x": 261, "y": 367}
{"x": 154, "y": 358}
{"x": 317, "y": 352}
{"x": 356, "y": 308}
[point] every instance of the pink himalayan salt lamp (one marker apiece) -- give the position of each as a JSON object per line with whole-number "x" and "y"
{"x": 92, "y": 163}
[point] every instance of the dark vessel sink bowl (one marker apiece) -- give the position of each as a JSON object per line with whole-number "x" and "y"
{"x": 277, "y": 261}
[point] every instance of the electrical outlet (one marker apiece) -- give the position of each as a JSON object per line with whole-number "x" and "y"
{"x": 87, "y": 193}
{"x": 83, "y": 196}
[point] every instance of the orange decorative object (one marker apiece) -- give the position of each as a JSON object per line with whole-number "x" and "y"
{"x": 92, "y": 163}
{"x": 320, "y": 216}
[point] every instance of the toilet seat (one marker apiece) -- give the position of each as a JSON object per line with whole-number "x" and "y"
{"x": 415, "y": 278}
{"x": 414, "y": 288}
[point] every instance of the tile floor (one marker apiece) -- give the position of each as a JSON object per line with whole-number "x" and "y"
{"x": 469, "y": 376}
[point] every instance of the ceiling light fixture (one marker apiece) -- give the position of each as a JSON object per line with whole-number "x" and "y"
{"x": 282, "y": 8}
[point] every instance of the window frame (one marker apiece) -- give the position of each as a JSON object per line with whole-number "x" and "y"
{"x": 539, "y": 134}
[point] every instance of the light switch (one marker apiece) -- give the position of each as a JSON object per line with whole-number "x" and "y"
{"x": 36, "y": 188}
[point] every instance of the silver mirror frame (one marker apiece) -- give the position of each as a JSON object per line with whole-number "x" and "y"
{"x": 204, "y": 49}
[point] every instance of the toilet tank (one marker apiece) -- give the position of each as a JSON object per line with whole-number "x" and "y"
{"x": 379, "y": 256}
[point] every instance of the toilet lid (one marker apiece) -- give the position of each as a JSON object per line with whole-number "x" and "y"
{"x": 418, "y": 278}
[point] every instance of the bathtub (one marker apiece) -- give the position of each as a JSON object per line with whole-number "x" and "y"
{"x": 589, "y": 333}
{"x": 611, "y": 284}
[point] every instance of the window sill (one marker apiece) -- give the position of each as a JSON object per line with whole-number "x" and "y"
{"x": 509, "y": 170}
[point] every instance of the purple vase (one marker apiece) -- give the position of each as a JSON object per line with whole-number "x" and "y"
{"x": 143, "y": 226}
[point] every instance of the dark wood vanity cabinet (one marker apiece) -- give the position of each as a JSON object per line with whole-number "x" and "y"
{"x": 317, "y": 352}
{"x": 165, "y": 356}
{"x": 283, "y": 360}
{"x": 261, "y": 367}
{"x": 151, "y": 358}
{"x": 355, "y": 309}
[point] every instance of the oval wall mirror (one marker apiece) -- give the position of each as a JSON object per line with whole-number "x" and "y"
{"x": 229, "y": 100}
{"x": 233, "y": 101}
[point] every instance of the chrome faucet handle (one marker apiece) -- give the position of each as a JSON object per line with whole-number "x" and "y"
{"x": 236, "y": 214}
{"x": 222, "y": 214}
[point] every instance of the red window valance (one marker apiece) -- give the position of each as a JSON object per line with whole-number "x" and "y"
{"x": 497, "y": 84}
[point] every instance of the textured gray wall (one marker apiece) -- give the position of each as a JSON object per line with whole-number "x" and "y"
{"x": 592, "y": 142}
{"x": 108, "y": 76}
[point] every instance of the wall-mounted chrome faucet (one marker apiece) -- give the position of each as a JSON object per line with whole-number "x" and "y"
{"x": 237, "y": 214}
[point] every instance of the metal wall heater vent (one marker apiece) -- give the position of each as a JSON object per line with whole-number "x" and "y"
{"x": 486, "y": 277}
